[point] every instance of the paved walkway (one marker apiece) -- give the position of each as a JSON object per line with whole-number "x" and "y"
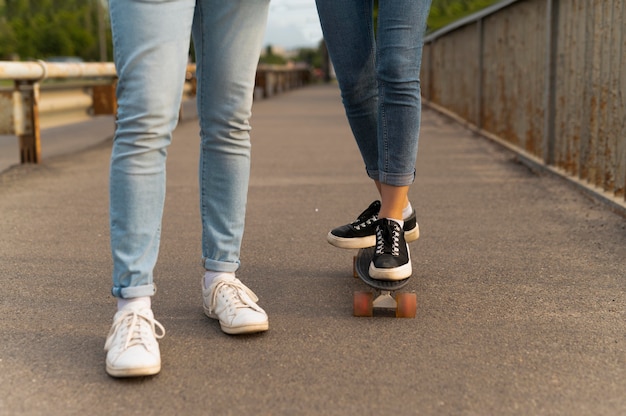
{"x": 520, "y": 280}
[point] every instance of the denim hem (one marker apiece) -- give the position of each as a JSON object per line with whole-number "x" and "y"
{"x": 134, "y": 291}
{"x": 220, "y": 266}
{"x": 397, "y": 179}
{"x": 373, "y": 174}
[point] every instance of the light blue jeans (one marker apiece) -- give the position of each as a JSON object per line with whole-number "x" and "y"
{"x": 151, "y": 43}
{"x": 379, "y": 79}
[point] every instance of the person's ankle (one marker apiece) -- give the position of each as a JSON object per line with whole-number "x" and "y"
{"x": 210, "y": 276}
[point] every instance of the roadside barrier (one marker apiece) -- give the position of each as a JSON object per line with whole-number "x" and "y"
{"x": 93, "y": 91}
{"x": 544, "y": 78}
{"x": 274, "y": 79}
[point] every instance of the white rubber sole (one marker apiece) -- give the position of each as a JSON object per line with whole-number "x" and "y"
{"x": 398, "y": 273}
{"x": 133, "y": 372}
{"x": 362, "y": 242}
{"x": 242, "y": 329}
{"x": 247, "y": 329}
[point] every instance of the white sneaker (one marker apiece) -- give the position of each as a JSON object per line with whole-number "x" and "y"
{"x": 131, "y": 346}
{"x": 234, "y": 305}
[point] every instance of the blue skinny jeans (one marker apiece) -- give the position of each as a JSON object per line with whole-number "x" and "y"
{"x": 151, "y": 41}
{"x": 379, "y": 79}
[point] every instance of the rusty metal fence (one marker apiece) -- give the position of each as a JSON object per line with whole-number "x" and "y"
{"x": 546, "y": 78}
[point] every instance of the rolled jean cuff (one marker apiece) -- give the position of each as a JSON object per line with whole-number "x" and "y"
{"x": 396, "y": 179}
{"x": 219, "y": 266}
{"x": 134, "y": 291}
{"x": 373, "y": 174}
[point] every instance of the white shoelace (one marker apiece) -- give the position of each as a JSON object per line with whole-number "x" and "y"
{"x": 134, "y": 323}
{"x": 366, "y": 223}
{"x": 395, "y": 241}
{"x": 240, "y": 296}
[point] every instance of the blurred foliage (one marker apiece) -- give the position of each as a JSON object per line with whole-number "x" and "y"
{"x": 40, "y": 29}
{"x": 444, "y": 12}
{"x": 272, "y": 58}
{"x": 311, "y": 56}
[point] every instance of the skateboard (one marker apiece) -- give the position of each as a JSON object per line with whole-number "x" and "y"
{"x": 365, "y": 302}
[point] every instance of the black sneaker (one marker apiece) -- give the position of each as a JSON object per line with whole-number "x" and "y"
{"x": 362, "y": 232}
{"x": 358, "y": 234}
{"x": 391, "y": 259}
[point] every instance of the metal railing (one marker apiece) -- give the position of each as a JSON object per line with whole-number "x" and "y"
{"x": 21, "y": 107}
{"x": 545, "y": 78}
{"x": 274, "y": 79}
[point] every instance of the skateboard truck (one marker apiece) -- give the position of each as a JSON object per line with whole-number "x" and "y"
{"x": 385, "y": 301}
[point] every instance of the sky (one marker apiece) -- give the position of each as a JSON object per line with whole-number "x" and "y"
{"x": 292, "y": 24}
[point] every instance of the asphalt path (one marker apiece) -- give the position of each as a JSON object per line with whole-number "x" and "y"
{"x": 520, "y": 282}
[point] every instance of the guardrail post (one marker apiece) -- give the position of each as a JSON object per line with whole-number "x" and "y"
{"x": 29, "y": 133}
{"x": 261, "y": 82}
{"x": 552, "y": 21}
{"x": 104, "y": 99}
{"x": 10, "y": 112}
{"x": 480, "y": 28}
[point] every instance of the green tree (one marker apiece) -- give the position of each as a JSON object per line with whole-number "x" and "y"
{"x": 38, "y": 29}
{"x": 444, "y": 12}
{"x": 270, "y": 58}
{"x": 310, "y": 56}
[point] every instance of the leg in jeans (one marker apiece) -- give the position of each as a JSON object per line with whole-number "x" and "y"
{"x": 379, "y": 80}
{"x": 151, "y": 43}
{"x": 349, "y": 33}
{"x": 386, "y": 68}
{"x": 401, "y": 26}
{"x": 228, "y": 38}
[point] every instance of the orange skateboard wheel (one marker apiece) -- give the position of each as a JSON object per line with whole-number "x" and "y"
{"x": 406, "y": 305}
{"x": 363, "y": 304}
